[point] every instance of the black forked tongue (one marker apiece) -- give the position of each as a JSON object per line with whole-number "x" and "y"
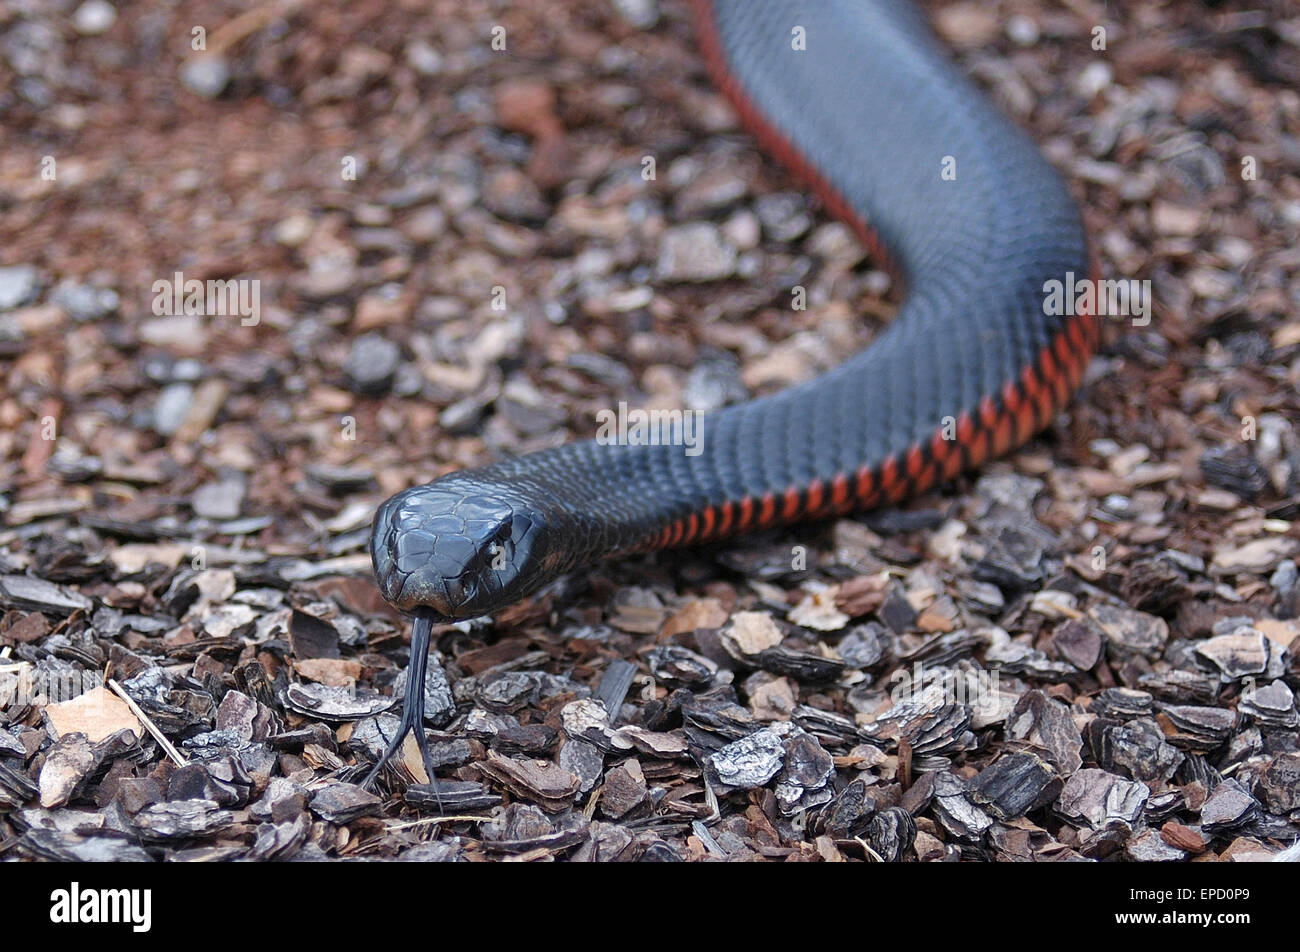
{"x": 413, "y": 706}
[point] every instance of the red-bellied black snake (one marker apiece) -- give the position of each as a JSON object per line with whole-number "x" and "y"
{"x": 859, "y": 100}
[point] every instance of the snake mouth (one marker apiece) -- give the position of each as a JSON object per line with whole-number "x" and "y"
{"x": 404, "y": 593}
{"x": 440, "y": 599}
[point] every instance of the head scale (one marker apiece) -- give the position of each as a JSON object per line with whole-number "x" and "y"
{"x": 459, "y": 548}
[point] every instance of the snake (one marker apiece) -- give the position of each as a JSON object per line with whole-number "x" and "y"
{"x": 862, "y": 103}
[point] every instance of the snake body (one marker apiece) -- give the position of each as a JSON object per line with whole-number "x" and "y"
{"x": 857, "y": 97}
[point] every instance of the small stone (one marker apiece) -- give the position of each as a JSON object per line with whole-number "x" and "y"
{"x": 1195, "y": 728}
{"x": 463, "y": 416}
{"x": 179, "y": 333}
{"x": 1139, "y": 747}
{"x": 1097, "y": 798}
{"x": 1273, "y": 706}
{"x": 587, "y": 719}
{"x": 742, "y": 230}
{"x": 1244, "y": 745}
{"x": 1150, "y": 847}
{"x": 205, "y": 75}
{"x": 1181, "y": 686}
{"x": 72, "y": 847}
{"x": 928, "y": 720}
{"x": 36, "y": 594}
{"x": 1236, "y": 470}
{"x": 625, "y": 790}
{"x": 642, "y": 14}
{"x": 372, "y": 364}
{"x": 1048, "y": 724}
{"x": 451, "y": 796}
{"x": 1246, "y": 849}
{"x": 1022, "y": 30}
{"x": 1093, "y": 78}
{"x": 1244, "y": 653}
{"x": 1013, "y": 785}
{"x": 344, "y": 802}
{"x": 966, "y": 24}
{"x": 584, "y": 760}
{"x": 171, "y": 407}
{"x": 1122, "y": 703}
{"x": 182, "y": 819}
{"x": 507, "y": 692}
{"x": 237, "y": 712}
{"x": 864, "y": 646}
{"x": 896, "y": 611}
{"x": 749, "y": 762}
{"x": 280, "y": 841}
{"x": 518, "y": 823}
{"x": 526, "y": 106}
{"x": 335, "y": 704}
{"x": 1130, "y": 633}
{"x": 771, "y": 698}
{"x": 381, "y": 309}
{"x": 66, "y": 766}
{"x": 784, "y": 215}
{"x": 656, "y": 744}
{"x": 1080, "y": 643}
{"x": 220, "y": 500}
{"x": 425, "y": 224}
{"x": 929, "y": 849}
{"x": 891, "y": 834}
{"x": 513, "y": 196}
{"x": 335, "y": 672}
{"x": 94, "y": 17}
{"x": 1254, "y": 558}
{"x": 850, "y": 812}
{"x": 750, "y": 633}
{"x": 439, "y": 704}
{"x": 676, "y": 664}
{"x": 804, "y": 776}
{"x": 698, "y": 614}
{"x": 1228, "y": 807}
{"x": 18, "y": 286}
{"x": 713, "y": 384}
{"x": 706, "y": 189}
{"x": 84, "y": 302}
{"x": 819, "y": 612}
{"x": 193, "y": 782}
{"x": 549, "y": 785}
{"x": 423, "y": 58}
{"x": 227, "y": 621}
{"x": 953, "y": 807}
{"x": 695, "y": 252}
{"x": 294, "y": 230}
{"x": 1176, "y": 220}
{"x": 1278, "y": 786}
{"x": 1285, "y": 582}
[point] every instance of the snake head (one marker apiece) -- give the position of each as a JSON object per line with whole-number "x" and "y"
{"x": 458, "y": 548}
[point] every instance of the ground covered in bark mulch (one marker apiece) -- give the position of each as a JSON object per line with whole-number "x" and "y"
{"x": 1088, "y": 651}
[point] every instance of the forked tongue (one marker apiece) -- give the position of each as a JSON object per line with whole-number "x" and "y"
{"x": 413, "y": 705}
